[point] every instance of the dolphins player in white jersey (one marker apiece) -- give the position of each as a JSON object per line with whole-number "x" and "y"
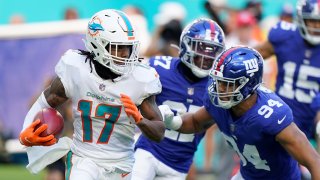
{"x": 106, "y": 84}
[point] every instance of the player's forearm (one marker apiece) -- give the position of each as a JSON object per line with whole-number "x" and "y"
{"x": 154, "y": 130}
{"x": 189, "y": 125}
{"x": 314, "y": 168}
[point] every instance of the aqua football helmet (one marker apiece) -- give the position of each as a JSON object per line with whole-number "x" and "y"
{"x": 309, "y": 10}
{"x": 235, "y": 75}
{"x": 111, "y": 37}
{"x": 200, "y": 42}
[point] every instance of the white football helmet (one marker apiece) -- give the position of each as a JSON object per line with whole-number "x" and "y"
{"x": 111, "y": 37}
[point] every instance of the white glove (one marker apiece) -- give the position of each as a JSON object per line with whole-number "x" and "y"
{"x": 170, "y": 121}
{"x": 318, "y": 129}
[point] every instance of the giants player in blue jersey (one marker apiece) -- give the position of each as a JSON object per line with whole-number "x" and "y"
{"x": 297, "y": 48}
{"x": 184, "y": 81}
{"x": 255, "y": 122}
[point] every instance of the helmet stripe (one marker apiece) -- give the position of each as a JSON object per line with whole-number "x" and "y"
{"x": 128, "y": 24}
{"x": 225, "y": 54}
{"x": 212, "y": 27}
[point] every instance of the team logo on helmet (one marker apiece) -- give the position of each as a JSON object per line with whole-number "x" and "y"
{"x": 95, "y": 26}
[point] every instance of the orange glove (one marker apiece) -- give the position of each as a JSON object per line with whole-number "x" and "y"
{"x": 130, "y": 108}
{"x": 30, "y": 136}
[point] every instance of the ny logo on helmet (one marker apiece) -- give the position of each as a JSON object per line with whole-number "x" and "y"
{"x": 251, "y": 65}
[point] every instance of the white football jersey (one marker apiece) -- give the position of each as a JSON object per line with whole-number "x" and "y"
{"x": 102, "y": 130}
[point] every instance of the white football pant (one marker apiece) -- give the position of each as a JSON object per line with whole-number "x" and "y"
{"x": 147, "y": 167}
{"x": 79, "y": 168}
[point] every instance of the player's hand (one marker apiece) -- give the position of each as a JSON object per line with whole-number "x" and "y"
{"x": 167, "y": 114}
{"x": 130, "y": 108}
{"x": 170, "y": 121}
{"x": 30, "y": 136}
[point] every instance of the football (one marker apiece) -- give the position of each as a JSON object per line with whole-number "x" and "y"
{"x": 53, "y": 119}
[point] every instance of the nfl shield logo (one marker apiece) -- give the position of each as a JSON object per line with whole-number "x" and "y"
{"x": 102, "y": 87}
{"x": 308, "y": 53}
{"x": 190, "y": 91}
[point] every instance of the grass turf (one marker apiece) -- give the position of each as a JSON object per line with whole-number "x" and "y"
{"x": 18, "y": 172}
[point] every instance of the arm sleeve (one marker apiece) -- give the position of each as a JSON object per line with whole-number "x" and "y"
{"x": 41, "y": 103}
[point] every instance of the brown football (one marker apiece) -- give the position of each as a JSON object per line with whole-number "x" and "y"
{"x": 53, "y": 119}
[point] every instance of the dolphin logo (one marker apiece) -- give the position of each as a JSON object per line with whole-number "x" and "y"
{"x": 95, "y": 27}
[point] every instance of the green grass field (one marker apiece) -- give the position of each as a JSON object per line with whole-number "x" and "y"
{"x": 18, "y": 172}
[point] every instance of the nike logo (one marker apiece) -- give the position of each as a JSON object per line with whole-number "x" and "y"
{"x": 280, "y": 121}
{"x": 124, "y": 174}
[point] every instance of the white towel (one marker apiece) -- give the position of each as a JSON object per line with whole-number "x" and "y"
{"x": 41, "y": 156}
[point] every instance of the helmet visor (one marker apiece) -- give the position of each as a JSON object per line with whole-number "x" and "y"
{"x": 205, "y": 53}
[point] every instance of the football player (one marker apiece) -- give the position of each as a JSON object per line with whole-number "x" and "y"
{"x": 255, "y": 122}
{"x": 106, "y": 84}
{"x": 184, "y": 80}
{"x": 297, "y": 48}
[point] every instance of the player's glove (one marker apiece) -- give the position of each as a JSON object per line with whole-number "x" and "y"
{"x": 30, "y": 136}
{"x": 130, "y": 108}
{"x": 170, "y": 121}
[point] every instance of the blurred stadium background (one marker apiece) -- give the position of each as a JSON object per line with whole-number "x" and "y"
{"x": 34, "y": 34}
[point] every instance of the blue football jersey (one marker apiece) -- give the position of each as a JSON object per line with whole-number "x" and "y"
{"x": 176, "y": 149}
{"x": 252, "y": 136}
{"x": 298, "y": 73}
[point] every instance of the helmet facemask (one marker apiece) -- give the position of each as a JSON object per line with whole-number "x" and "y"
{"x": 226, "y": 92}
{"x": 121, "y": 57}
{"x": 200, "y": 55}
{"x": 308, "y": 20}
{"x": 311, "y": 34}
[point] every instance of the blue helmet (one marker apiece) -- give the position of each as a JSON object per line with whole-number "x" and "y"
{"x": 309, "y": 10}
{"x": 200, "y": 42}
{"x": 236, "y": 74}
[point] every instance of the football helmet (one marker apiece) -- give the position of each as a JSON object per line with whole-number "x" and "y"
{"x": 235, "y": 75}
{"x": 111, "y": 37}
{"x": 309, "y": 10}
{"x": 200, "y": 42}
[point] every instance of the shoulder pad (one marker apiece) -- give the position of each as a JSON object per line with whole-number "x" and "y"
{"x": 69, "y": 67}
{"x": 281, "y": 32}
{"x": 149, "y": 77}
{"x": 72, "y": 57}
{"x": 144, "y": 73}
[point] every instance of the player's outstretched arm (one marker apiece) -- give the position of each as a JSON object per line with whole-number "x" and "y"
{"x": 150, "y": 120}
{"x": 265, "y": 49}
{"x": 188, "y": 123}
{"x": 53, "y": 96}
{"x": 297, "y": 144}
{"x": 196, "y": 122}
